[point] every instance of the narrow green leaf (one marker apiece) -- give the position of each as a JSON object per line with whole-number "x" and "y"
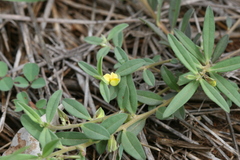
{"x": 49, "y": 147}
{"x": 76, "y": 109}
{"x": 46, "y": 136}
{"x": 52, "y": 105}
{"x": 137, "y": 127}
{"x": 149, "y": 98}
{"x": 227, "y": 88}
{"x": 132, "y": 105}
{"x": 159, "y": 113}
{"x": 3, "y": 69}
{"x": 173, "y": 13}
{"x": 19, "y": 157}
{"x": 99, "y": 66}
{"x": 220, "y": 48}
{"x": 120, "y": 54}
{"x": 118, "y": 39}
{"x": 184, "y": 78}
{"x": 72, "y": 138}
{"x": 6, "y": 84}
{"x": 38, "y": 83}
{"x": 148, "y": 77}
{"x": 226, "y": 65}
{"x": 101, "y": 146}
{"x": 183, "y": 55}
{"x": 185, "y": 20}
{"x": 214, "y": 95}
{"x": 115, "y": 30}
{"x": 114, "y": 122}
{"x": 32, "y": 127}
{"x": 208, "y": 33}
{"x": 93, "y": 40}
{"x": 30, "y": 112}
{"x": 121, "y": 95}
{"x": 155, "y": 29}
{"x": 190, "y": 46}
{"x": 30, "y": 71}
{"x": 89, "y": 69}
{"x": 181, "y": 98}
{"x": 104, "y": 90}
{"x": 102, "y": 52}
{"x": 130, "y": 67}
{"x": 132, "y": 146}
{"x": 95, "y": 131}
{"x": 169, "y": 78}
{"x": 21, "y": 82}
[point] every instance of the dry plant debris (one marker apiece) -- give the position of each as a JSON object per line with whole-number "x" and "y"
{"x": 52, "y": 36}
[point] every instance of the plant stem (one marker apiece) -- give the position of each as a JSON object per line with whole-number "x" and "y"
{"x": 143, "y": 116}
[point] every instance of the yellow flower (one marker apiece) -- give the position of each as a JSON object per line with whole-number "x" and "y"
{"x": 112, "y": 79}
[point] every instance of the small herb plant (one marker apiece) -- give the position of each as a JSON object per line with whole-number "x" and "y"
{"x": 118, "y": 132}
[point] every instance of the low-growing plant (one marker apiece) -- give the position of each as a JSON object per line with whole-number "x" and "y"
{"x": 118, "y": 131}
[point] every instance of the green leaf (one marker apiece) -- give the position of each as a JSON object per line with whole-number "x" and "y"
{"x": 185, "y": 20}
{"x": 19, "y": 157}
{"x": 180, "y": 113}
{"x": 76, "y": 109}
{"x": 184, "y": 78}
{"x": 95, "y": 131}
{"x": 148, "y": 77}
{"x": 93, "y": 40}
{"x": 115, "y": 30}
{"x": 104, "y": 90}
{"x": 169, "y": 78}
{"x": 32, "y": 127}
{"x": 102, "y": 52}
{"x": 3, "y": 69}
{"x": 52, "y": 105}
{"x": 214, "y": 95}
{"x": 120, "y": 54}
{"x": 6, "y": 84}
{"x": 118, "y": 39}
{"x": 101, "y": 146}
{"x": 122, "y": 91}
{"x": 227, "y": 88}
{"x": 148, "y": 97}
{"x": 46, "y": 136}
{"x": 30, "y": 112}
{"x": 131, "y": 104}
{"x": 174, "y": 12}
{"x": 114, "y": 122}
{"x": 155, "y": 29}
{"x": 137, "y": 127}
{"x": 38, "y": 83}
{"x": 159, "y": 113}
{"x": 208, "y": 33}
{"x": 132, "y": 146}
{"x": 72, "y": 138}
{"x": 49, "y": 147}
{"x": 130, "y": 67}
{"x": 189, "y": 45}
{"x": 181, "y": 98}
{"x": 23, "y": 97}
{"x": 183, "y": 55}
{"x": 41, "y": 103}
{"x": 220, "y": 48}
{"x": 21, "y": 82}
{"x": 89, "y": 69}
{"x": 30, "y": 71}
{"x": 226, "y": 65}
